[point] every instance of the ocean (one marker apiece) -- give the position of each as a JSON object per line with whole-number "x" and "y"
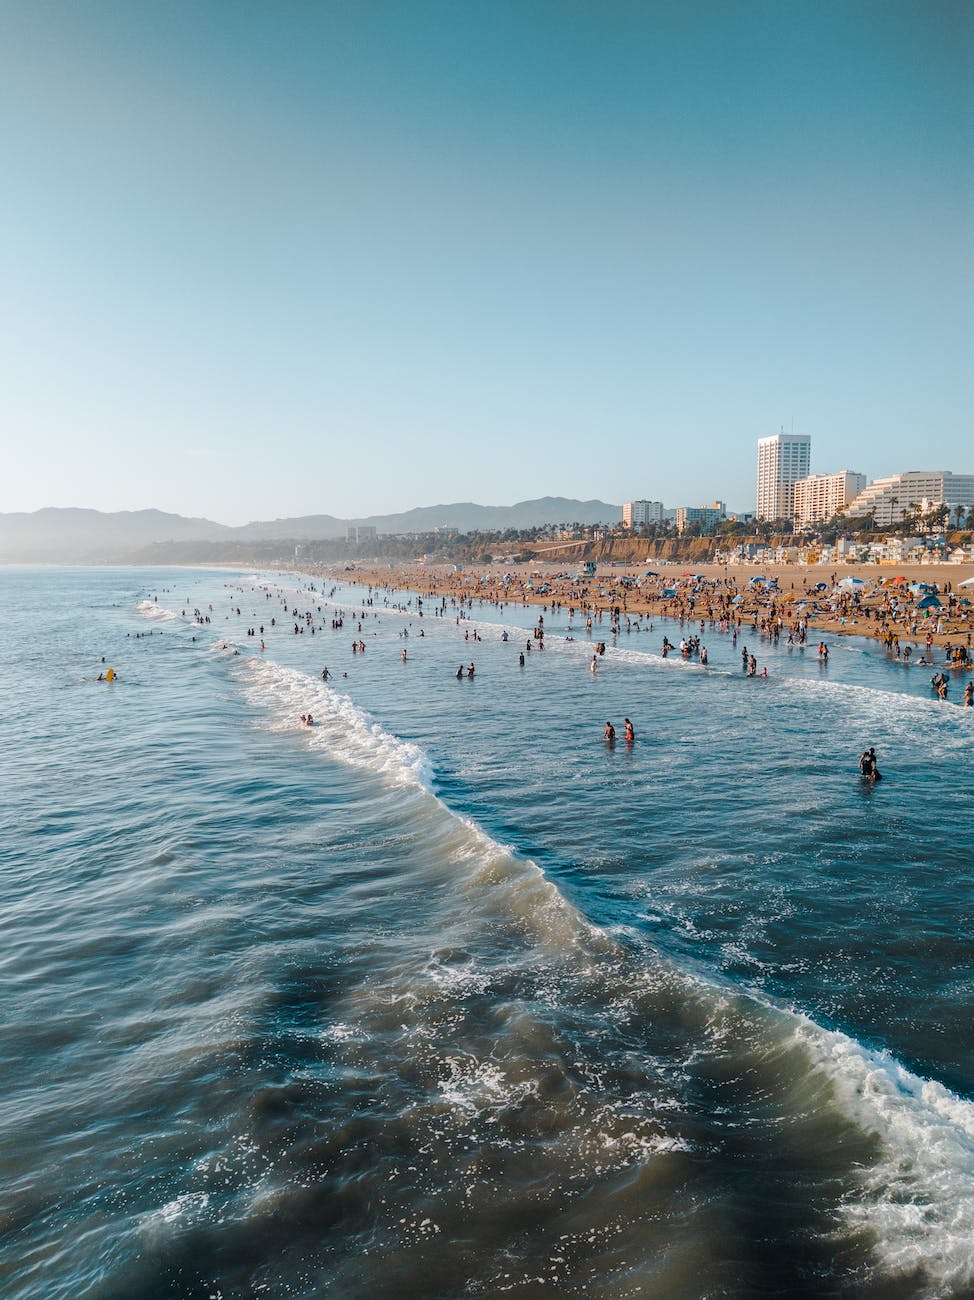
{"x": 443, "y": 995}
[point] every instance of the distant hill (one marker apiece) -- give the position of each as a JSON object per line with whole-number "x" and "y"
{"x": 78, "y": 536}
{"x": 91, "y": 537}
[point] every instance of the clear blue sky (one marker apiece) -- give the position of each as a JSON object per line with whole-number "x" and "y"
{"x": 351, "y": 257}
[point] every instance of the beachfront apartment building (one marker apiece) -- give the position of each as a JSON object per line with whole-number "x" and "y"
{"x": 822, "y": 496}
{"x": 783, "y": 459}
{"x": 708, "y": 517}
{"x": 637, "y": 513}
{"x": 360, "y": 533}
{"x": 891, "y": 499}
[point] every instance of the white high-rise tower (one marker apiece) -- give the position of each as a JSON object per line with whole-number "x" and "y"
{"x": 782, "y": 460}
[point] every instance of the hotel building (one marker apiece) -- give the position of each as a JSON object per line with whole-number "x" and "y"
{"x": 783, "y": 459}
{"x": 708, "y": 517}
{"x": 820, "y": 496}
{"x": 637, "y": 513}
{"x": 891, "y": 499}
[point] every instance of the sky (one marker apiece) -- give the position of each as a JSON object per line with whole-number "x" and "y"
{"x": 354, "y": 256}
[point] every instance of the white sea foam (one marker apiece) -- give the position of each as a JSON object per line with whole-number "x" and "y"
{"x": 919, "y": 1196}
{"x": 340, "y": 726}
{"x": 149, "y": 609}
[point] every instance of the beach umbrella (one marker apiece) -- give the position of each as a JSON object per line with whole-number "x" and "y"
{"x": 929, "y": 602}
{"x": 737, "y": 600}
{"x": 897, "y": 581}
{"x": 968, "y": 582}
{"x": 668, "y": 592}
{"x": 851, "y": 582}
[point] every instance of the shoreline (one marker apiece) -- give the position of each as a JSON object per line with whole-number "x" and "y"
{"x": 878, "y": 610}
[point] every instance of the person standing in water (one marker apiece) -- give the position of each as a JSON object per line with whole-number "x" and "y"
{"x": 630, "y": 731}
{"x": 609, "y": 734}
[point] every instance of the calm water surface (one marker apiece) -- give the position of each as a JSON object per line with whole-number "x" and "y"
{"x": 444, "y": 997}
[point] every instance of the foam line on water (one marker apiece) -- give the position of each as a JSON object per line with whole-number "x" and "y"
{"x": 919, "y": 1195}
{"x": 149, "y": 609}
{"x": 340, "y": 726}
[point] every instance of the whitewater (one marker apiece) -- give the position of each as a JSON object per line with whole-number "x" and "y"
{"x": 443, "y": 996}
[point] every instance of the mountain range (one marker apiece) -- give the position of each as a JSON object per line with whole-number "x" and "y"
{"x": 79, "y": 536}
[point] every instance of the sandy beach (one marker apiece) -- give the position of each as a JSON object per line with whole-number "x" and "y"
{"x": 883, "y": 607}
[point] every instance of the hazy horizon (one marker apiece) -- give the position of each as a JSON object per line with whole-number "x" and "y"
{"x": 343, "y": 260}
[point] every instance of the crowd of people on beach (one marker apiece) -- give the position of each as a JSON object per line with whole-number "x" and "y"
{"x": 715, "y": 607}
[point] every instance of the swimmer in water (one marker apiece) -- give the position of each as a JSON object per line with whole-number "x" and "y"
{"x": 609, "y": 734}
